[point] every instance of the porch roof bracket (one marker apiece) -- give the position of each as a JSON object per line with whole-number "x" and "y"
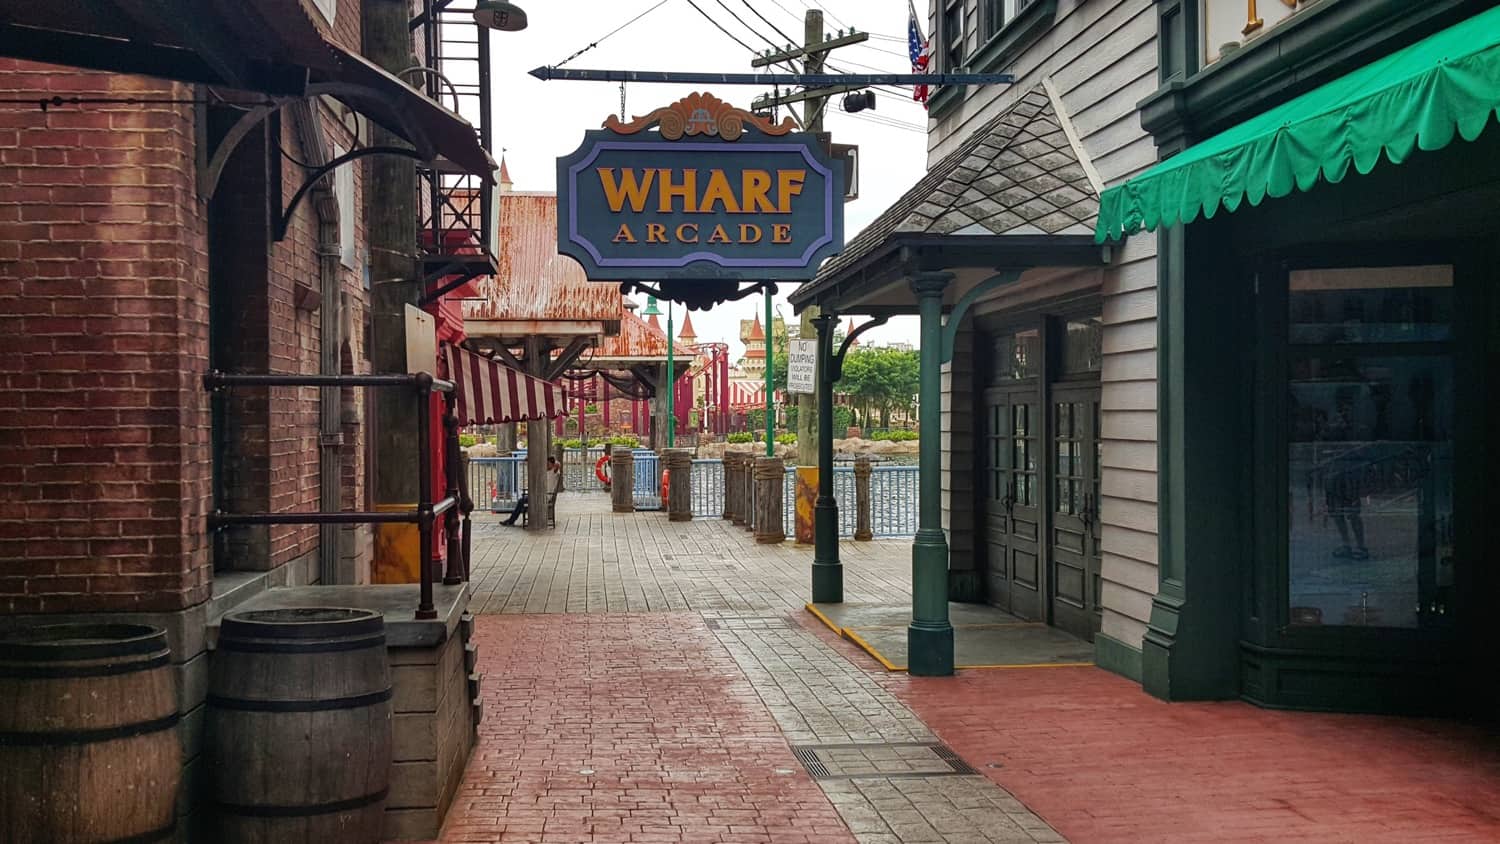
{"x": 950, "y": 328}
{"x": 836, "y": 365}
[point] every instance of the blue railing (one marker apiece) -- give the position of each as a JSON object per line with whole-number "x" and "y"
{"x": 647, "y": 490}
{"x": 893, "y": 497}
{"x": 496, "y": 482}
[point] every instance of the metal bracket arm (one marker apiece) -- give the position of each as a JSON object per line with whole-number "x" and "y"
{"x": 950, "y": 328}
{"x": 836, "y": 365}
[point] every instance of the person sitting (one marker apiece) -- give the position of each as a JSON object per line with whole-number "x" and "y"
{"x": 554, "y": 484}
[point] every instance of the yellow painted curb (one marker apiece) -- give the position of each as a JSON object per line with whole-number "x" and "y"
{"x": 823, "y": 618}
{"x": 870, "y": 649}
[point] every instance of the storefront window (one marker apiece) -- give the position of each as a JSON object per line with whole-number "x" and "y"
{"x": 1370, "y": 449}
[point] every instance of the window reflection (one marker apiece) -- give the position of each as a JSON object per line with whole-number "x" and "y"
{"x": 1370, "y": 460}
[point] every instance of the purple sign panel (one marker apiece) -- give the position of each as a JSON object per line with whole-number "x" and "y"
{"x": 644, "y": 206}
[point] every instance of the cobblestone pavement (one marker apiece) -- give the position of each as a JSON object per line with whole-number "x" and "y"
{"x": 668, "y": 662}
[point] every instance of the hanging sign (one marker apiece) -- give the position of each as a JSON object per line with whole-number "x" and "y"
{"x": 699, "y": 191}
{"x": 802, "y": 366}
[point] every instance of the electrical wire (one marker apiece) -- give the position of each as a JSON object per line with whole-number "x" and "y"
{"x": 720, "y": 27}
{"x": 592, "y": 44}
{"x": 753, "y": 30}
{"x": 773, "y": 26}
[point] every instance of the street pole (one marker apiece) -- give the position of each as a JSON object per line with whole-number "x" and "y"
{"x": 671, "y": 383}
{"x": 770, "y": 380}
{"x": 827, "y": 570}
{"x": 808, "y": 428}
{"x": 395, "y": 282}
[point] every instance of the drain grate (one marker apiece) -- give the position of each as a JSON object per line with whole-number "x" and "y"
{"x": 901, "y": 760}
{"x": 809, "y": 759}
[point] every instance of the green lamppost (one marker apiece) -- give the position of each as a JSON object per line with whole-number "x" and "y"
{"x": 930, "y": 636}
{"x": 652, "y": 310}
{"x": 671, "y": 383}
{"x": 770, "y": 380}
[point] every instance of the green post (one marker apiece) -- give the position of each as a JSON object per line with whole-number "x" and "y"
{"x": 930, "y": 636}
{"x": 671, "y": 384}
{"x": 827, "y": 570}
{"x": 770, "y": 381}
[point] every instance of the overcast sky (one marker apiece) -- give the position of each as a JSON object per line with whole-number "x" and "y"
{"x": 536, "y": 122}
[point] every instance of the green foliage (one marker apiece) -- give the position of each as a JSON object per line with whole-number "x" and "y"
{"x": 574, "y": 443}
{"x": 884, "y": 379}
{"x": 628, "y": 440}
{"x": 843, "y": 417}
{"x": 787, "y": 438}
{"x": 894, "y": 436}
{"x": 739, "y": 437}
{"x": 467, "y": 440}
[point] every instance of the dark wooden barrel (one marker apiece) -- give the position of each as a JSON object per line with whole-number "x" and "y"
{"x": 299, "y": 726}
{"x": 87, "y": 749}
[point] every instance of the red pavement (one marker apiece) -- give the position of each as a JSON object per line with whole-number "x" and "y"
{"x": 1102, "y": 761}
{"x": 681, "y": 747}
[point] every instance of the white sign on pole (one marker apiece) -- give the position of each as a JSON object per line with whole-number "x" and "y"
{"x": 802, "y": 366}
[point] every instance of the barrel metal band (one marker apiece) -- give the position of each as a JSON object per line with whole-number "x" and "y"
{"x": 252, "y": 811}
{"x": 321, "y": 705}
{"x": 70, "y": 737}
{"x": 263, "y": 646}
{"x": 155, "y": 835}
{"x": 45, "y": 671}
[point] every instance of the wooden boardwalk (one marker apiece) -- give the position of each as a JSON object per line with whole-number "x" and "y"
{"x": 596, "y": 561}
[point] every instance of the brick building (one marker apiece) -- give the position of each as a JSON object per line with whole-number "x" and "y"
{"x": 148, "y": 235}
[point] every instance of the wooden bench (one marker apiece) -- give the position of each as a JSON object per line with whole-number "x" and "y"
{"x": 551, "y": 511}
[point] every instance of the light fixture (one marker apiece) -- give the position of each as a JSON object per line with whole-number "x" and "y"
{"x": 859, "y": 101}
{"x": 651, "y": 309}
{"x": 497, "y": 14}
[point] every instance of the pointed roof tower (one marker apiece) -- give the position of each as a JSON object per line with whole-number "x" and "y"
{"x": 687, "y": 334}
{"x": 505, "y": 183}
{"x": 756, "y": 332}
{"x": 850, "y": 330}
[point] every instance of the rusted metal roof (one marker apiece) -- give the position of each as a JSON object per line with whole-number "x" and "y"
{"x": 638, "y": 340}
{"x": 533, "y": 281}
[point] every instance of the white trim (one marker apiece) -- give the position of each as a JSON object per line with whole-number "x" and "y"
{"x": 1072, "y": 133}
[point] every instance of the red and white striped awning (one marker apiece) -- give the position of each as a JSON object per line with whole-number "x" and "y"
{"x": 747, "y": 394}
{"x": 491, "y": 393}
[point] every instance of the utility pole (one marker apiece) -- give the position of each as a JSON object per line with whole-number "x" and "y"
{"x": 814, "y": 50}
{"x": 395, "y": 281}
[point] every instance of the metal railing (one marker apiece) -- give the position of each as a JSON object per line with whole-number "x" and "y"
{"x": 496, "y": 482}
{"x": 893, "y": 497}
{"x": 647, "y": 490}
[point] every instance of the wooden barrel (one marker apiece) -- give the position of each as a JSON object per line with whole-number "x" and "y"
{"x": 299, "y": 726}
{"x": 87, "y": 749}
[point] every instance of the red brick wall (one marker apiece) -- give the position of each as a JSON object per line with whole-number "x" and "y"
{"x": 104, "y": 459}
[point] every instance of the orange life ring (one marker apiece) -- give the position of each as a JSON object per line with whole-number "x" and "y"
{"x": 665, "y": 483}
{"x": 599, "y": 470}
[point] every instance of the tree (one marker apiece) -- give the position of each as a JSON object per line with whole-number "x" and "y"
{"x": 884, "y": 379}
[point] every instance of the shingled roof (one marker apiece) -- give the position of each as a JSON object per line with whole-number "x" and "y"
{"x": 1019, "y": 174}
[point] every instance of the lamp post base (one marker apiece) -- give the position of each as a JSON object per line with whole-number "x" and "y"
{"x": 827, "y": 583}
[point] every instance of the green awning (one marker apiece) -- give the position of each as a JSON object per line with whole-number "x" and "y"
{"x": 1416, "y": 98}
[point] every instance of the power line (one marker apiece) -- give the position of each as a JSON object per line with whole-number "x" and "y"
{"x": 768, "y": 22}
{"x": 753, "y": 30}
{"x": 592, "y": 44}
{"x": 720, "y": 27}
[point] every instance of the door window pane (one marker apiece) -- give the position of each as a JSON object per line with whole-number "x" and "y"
{"x": 1083, "y": 346}
{"x": 1370, "y": 516}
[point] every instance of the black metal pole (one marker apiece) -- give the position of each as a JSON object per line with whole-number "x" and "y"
{"x": 453, "y": 567}
{"x": 425, "y": 608}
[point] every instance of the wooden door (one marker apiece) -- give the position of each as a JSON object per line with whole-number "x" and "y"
{"x": 1011, "y": 425}
{"x": 1073, "y": 502}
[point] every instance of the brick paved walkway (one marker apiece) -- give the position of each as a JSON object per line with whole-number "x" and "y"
{"x": 652, "y": 681}
{"x": 1103, "y": 761}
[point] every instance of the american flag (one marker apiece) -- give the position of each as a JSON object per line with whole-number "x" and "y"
{"x": 921, "y": 51}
